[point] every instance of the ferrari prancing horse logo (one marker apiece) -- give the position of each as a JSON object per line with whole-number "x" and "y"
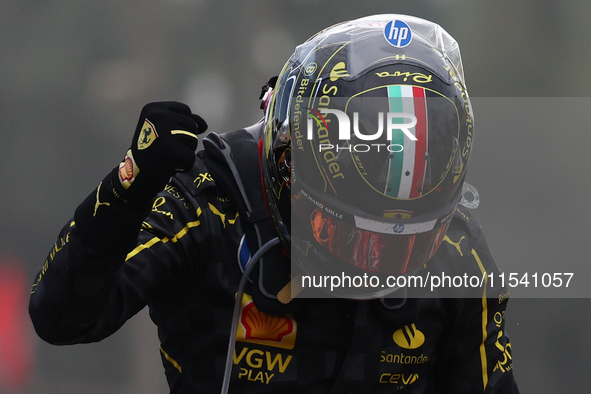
{"x": 147, "y": 135}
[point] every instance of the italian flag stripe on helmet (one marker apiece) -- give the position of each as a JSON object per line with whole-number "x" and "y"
{"x": 406, "y": 172}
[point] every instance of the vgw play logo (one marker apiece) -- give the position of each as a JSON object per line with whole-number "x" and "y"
{"x": 395, "y": 121}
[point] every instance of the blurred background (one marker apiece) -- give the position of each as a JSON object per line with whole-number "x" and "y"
{"x": 74, "y": 76}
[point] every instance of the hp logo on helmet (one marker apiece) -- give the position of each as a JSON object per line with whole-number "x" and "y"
{"x": 398, "y": 33}
{"x": 398, "y": 228}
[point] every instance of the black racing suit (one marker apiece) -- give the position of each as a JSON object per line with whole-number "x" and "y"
{"x": 184, "y": 267}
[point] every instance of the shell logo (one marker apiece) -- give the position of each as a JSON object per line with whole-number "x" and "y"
{"x": 128, "y": 170}
{"x": 409, "y": 337}
{"x": 265, "y": 329}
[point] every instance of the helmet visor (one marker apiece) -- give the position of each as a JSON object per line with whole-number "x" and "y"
{"x": 387, "y": 251}
{"x": 364, "y": 242}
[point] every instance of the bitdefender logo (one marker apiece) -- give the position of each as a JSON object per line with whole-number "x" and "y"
{"x": 395, "y": 122}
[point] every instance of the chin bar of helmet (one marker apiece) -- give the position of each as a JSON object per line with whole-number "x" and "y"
{"x": 237, "y": 305}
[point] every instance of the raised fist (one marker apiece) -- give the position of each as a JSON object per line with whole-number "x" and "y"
{"x": 164, "y": 143}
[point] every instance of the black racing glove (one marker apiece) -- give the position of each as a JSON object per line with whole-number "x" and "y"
{"x": 164, "y": 143}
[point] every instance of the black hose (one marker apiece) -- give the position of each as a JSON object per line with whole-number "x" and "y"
{"x": 237, "y": 306}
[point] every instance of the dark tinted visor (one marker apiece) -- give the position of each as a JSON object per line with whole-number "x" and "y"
{"x": 373, "y": 251}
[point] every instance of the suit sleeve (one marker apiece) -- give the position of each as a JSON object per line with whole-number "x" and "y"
{"x": 478, "y": 357}
{"x": 91, "y": 282}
